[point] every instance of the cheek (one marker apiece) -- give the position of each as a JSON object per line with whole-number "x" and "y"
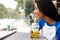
{"x": 38, "y": 14}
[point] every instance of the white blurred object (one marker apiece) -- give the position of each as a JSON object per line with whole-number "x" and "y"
{"x": 49, "y": 32}
{"x": 35, "y": 26}
{"x": 55, "y": 3}
{"x": 32, "y": 15}
{"x": 5, "y": 22}
{"x": 59, "y": 11}
{"x": 23, "y": 29}
{"x": 19, "y": 23}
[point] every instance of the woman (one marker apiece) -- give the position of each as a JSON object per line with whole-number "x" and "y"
{"x": 45, "y": 9}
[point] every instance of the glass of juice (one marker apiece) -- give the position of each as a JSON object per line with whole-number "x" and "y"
{"x": 35, "y": 29}
{"x": 35, "y": 33}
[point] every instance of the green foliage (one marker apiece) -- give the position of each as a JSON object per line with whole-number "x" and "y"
{"x": 15, "y": 13}
{"x": 29, "y": 7}
{"x": 19, "y": 1}
{"x": 10, "y": 12}
{"x": 3, "y": 11}
{"x": 19, "y": 4}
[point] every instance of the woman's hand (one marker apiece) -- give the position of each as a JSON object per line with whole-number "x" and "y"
{"x": 31, "y": 33}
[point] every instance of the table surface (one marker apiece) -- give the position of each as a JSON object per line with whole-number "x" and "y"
{"x": 23, "y": 36}
{"x": 5, "y": 33}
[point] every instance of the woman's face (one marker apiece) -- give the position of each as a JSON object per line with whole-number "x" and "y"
{"x": 37, "y": 12}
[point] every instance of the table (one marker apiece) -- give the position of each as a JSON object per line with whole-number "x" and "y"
{"x": 23, "y": 36}
{"x": 4, "y": 34}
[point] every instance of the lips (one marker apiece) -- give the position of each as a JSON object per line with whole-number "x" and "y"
{"x": 36, "y": 15}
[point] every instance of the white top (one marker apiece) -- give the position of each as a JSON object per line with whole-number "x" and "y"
{"x": 49, "y": 32}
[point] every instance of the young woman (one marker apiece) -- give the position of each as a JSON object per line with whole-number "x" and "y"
{"x": 51, "y": 26}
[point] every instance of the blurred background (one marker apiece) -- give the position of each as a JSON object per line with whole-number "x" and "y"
{"x": 17, "y": 12}
{"x": 15, "y": 9}
{"x": 15, "y": 15}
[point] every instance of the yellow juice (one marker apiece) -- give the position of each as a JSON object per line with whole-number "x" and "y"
{"x": 35, "y": 33}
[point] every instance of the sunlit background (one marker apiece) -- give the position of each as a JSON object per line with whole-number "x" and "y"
{"x": 17, "y": 10}
{"x": 15, "y": 16}
{"x": 15, "y": 13}
{"x": 9, "y": 3}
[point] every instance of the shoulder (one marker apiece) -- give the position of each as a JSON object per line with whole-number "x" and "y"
{"x": 42, "y": 19}
{"x": 41, "y": 22}
{"x": 57, "y": 24}
{"x": 58, "y": 30}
